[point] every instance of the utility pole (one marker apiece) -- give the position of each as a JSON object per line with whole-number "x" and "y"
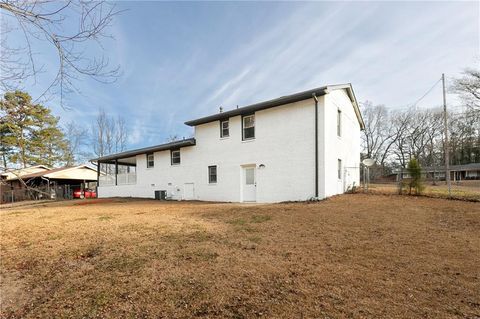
{"x": 446, "y": 146}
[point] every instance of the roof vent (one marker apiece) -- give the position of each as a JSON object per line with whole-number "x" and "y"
{"x": 221, "y": 109}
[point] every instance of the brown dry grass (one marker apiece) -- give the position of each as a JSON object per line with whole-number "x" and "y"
{"x": 464, "y": 190}
{"x": 361, "y": 256}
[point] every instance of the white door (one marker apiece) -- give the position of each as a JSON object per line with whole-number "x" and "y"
{"x": 188, "y": 191}
{"x": 249, "y": 184}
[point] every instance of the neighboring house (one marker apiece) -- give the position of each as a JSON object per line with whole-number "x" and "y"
{"x": 58, "y": 182}
{"x": 457, "y": 172}
{"x": 14, "y": 174}
{"x": 293, "y": 148}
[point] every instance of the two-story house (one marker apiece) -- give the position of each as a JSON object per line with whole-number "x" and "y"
{"x": 293, "y": 148}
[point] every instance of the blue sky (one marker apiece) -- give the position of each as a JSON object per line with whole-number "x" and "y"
{"x": 182, "y": 60}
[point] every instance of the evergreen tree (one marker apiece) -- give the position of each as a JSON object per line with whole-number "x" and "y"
{"x": 29, "y": 132}
{"x": 415, "y": 172}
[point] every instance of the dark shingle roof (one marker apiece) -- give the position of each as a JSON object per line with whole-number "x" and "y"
{"x": 280, "y": 101}
{"x": 156, "y": 148}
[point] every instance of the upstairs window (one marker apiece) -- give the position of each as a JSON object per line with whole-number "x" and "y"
{"x": 248, "y": 127}
{"x": 339, "y": 169}
{"x": 150, "y": 160}
{"x": 212, "y": 174}
{"x": 224, "y": 129}
{"x": 339, "y": 122}
{"x": 175, "y": 157}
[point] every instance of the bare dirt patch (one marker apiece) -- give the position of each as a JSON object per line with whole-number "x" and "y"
{"x": 349, "y": 256}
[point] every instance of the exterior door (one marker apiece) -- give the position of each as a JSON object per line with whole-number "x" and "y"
{"x": 189, "y": 191}
{"x": 249, "y": 184}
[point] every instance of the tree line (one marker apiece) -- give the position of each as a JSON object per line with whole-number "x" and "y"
{"x": 31, "y": 135}
{"x": 394, "y": 137}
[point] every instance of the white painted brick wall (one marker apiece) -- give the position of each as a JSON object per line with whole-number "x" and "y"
{"x": 284, "y": 143}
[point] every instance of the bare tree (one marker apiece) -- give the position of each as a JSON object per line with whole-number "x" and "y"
{"x": 468, "y": 87}
{"x": 48, "y": 21}
{"x": 98, "y": 134}
{"x": 120, "y": 135}
{"x": 400, "y": 138}
{"x": 77, "y": 138}
{"x": 108, "y": 135}
{"x": 464, "y": 130}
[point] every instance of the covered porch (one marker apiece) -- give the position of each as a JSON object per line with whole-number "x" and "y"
{"x": 120, "y": 171}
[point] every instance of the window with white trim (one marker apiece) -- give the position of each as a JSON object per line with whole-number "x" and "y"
{"x": 175, "y": 157}
{"x": 224, "y": 128}
{"x": 248, "y": 127}
{"x": 212, "y": 174}
{"x": 150, "y": 160}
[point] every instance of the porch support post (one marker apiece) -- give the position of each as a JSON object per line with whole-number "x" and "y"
{"x": 116, "y": 172}
{"x": 98, "y": 174}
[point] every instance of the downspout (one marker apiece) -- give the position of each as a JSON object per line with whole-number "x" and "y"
{"x": 316, "y": 144}
{"x": 116, "y": 172}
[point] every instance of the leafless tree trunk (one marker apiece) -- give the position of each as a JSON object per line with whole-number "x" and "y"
{"x": 108, "y": 135}
{"x": 77, "y": 138}
{"x": 120, "y": 135}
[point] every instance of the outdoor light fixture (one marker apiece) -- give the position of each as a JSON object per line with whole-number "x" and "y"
{"x": 261, "y": 166}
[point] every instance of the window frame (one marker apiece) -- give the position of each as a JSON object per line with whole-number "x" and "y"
{"x": 210, "y": 175}
{"x": 222, "y": 135}
{"x": 179, "y": 157}
{"x": 339, "y": 123}
{"x": 148, "y": 161}
{"x": 339, "y": 168}
{"x": 243, "y": 127}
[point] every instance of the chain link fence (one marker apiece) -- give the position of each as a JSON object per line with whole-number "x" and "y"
{"x": 44, "y": 192}
{"x": 464, "y": 182}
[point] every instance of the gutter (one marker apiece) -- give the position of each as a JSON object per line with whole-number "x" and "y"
{"x": 316, "y": 144}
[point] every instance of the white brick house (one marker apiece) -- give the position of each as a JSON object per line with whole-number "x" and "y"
{"x": 292, "y": 148}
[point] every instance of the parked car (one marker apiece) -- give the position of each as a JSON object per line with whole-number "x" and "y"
{"x": 87, "y": 193}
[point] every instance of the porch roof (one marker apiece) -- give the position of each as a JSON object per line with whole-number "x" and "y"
{"x": 161, "y": 147}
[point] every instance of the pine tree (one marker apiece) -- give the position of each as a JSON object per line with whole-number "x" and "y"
{"x": 415, "y": 172}
{"x": 29, "y": 132}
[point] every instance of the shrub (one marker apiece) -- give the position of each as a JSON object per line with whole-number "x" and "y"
{"x": 415, "y": 172}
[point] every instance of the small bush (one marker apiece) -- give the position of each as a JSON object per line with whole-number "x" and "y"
{"x": 415, "y": 182}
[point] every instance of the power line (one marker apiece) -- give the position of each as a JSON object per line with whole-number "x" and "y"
{"x": 426, "y": 93}
{"x": 421, "y": 98}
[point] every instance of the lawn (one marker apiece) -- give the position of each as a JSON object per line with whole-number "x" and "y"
{"x": 361, "y": 256}
{"x": 466, "y": 190}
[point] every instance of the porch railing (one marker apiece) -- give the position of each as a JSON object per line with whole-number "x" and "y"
{"x": 126, "y": 178}
{"x": 122, "y": 179}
